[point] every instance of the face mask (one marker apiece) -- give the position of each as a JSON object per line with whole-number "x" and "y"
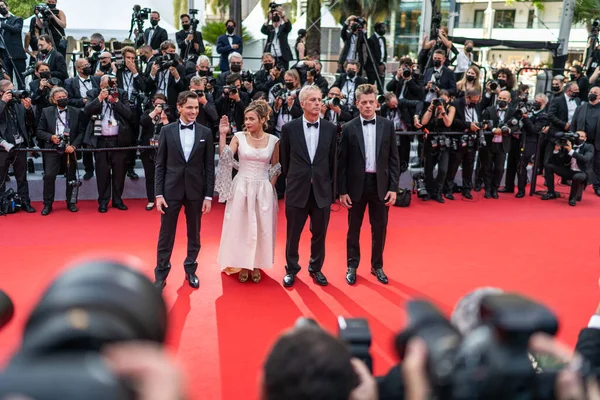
{"x": 502, "y": 83}
{"x": 268, "y": 66}
{"x": 573, "y": 77}
{"x": 52, "y": 6}
{"x": 289, "y": 85}
{"x": 537, "y": 106}
{"x": 468, "y": 49}
{"x": 153, "y": 22}
{"x": 276, "y": 18}
{"x": 578, "y": 142}
{"x": 230, "y": 29}
{"x": 3, "y": 10}
{"x": 186, "y": 27}
{"x": 470, "y": 78}
{"x": 471, "y": 103}
{"x": 202, "y": 73}
{"x": 592, "y": 97}
{"x": 437, "y": 63}
{"x": 502, "y": 104}
{"x": 381, "y": 31}
{"x": 351, "y": 74}
{"x": 87, "y": 71}
{"x": 143, "y": 58}
{"x": 62, "y": 103}
{"x": 575, "y": 95}
{"x": 97, "y": 47}
{"x": 555, "y": 89}
{"x": 236, "y": 68}
{"x": 44, "y": 51}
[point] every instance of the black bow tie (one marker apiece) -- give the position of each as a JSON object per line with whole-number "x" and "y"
{"x": 365, "y": 122}
{"x": 62, "y": 111}
{"x": 190, "y": 127}
{"x": 316, "y": 125}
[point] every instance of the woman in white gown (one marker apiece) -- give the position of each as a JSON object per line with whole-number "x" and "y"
{"x": 250, "y": 221}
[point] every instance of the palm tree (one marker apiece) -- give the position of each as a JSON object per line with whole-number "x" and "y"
{"x": 378, "y": 10}
{"x": 586, "y": 12}
{"x": 313, "y": 25}
{"x": 220, "y": 6}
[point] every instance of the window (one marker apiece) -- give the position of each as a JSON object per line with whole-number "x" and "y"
{"x": 504, "y": 19}
{"x": 479, "y": 18}
{"x": 530, "y": 19}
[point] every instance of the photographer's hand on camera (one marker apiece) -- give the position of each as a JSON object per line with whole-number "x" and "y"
{"x": 174, "y": 73}
{"x": 103, "y": 95}
{"x": 7, "y": 97}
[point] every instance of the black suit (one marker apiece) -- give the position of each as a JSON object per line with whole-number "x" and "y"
{"x": 183, "y": 46}
{"x": 588, "y": 345}
{"x": 182, "y": 183}
{"x": 309, "y": 190}
{"x": 168, "y": 83}
{"x": 56, "y": 62}
{"x": 159, "y": 36}
{"x": 367, "y": 188}
{"x": 372, "y": 71}
{"x": 493, "y": 155}
{"x": 286, "y": 53}
{"x": 11, "y": 29}
{"x": 560, "y": 164}
{"x": 446, "y": 81}
{"x": 52, "y": 161}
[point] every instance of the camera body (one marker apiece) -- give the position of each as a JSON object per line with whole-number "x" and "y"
{"x": 19, "y": 95}
{"x": 438, "y": 102}
{"x": 334, "y": 101}
{"x": 193, "y": 20}
{"x": 419, "y": 185}
{"x": 167, "y": 61}
{"x": 141, "y": 14}
{"x": 493, "y": 86}
{"x": 566, "y": 137}
{"x": 42, "y": 11}
{"x": 406, "y": 73}
{"x": 247, "y": 76}
{"x": 358, "y": 25}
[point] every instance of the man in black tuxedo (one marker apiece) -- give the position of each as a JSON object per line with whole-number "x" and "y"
{"x": 307, "y": 153}
{"x": 190, "y": 43}
{"x": 277, "y": 37}
{"x": 169, "y": 82}
{"x": 54, "y": 59}
{"x": 571, "y": 161}
{"x": 378, "y": 46}
{"x": 55, "y": 123}
{"x": 186, "y": 151}
{"x": 11, "y": 27}
{"x": 439, "y": 77}
{"x": 155, "y": 35}
{"x": 368, "y": 173}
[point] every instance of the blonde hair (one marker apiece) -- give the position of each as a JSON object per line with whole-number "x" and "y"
{"x": 262, "y": 109}
{"x": 462, "y": 84}
{"x": 365, "y": 88}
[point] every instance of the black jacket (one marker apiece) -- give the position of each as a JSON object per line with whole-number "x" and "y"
{"x": 12, "y": 28}
{"x": 447, "y": 80}
{"x": 558, "y": 114}
{"x": 177, "y": 179}
{"x": 578, "y": 124}
{"x": 284, "y": 29}
{"x": 159, "y": 36}
{"x": 25, "y": 119}
{"x": 122, "y": 112}
{"x": 583, "y": 156}
{"x": 491, "y": 114}
{"x": 57, "y": 64}
{"x": 72, "y": 85}
{"x": 180, "y": 38}
{"x": 351, "y": 166}
{"x": 298, "y": 170}
{"x": 47, "y": 126}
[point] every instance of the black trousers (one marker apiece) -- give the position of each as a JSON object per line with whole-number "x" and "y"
{"x": 20, "y": 68}
{"x": 512, "y": 163}
{"x": 19, "y": 162}
{"x": 528, "y": 152}
{"x": 52, "y": 163}
{"x": 372, "y": 79}
{"x": 492, "y": 163}
{"x": 110, "y": 172}
{"x": 378, "y": 217}
{"x": 296, "y": 219}
{"x": 148, "y": 161}
{"x": 577, "y": 177}
{"x": 440, "y": 157}
{"x": 596, "y": 167}
{"x": 88, "y": 161}
{"x": 404, "y": 152}
{"x": 166, "y": 237}
{"x": 466, "y": 156}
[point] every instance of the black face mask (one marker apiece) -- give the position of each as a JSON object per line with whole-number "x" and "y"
{"x": 573, "y": 77}
{"x": 555, "y": 89}
{"x": 3, "y": 10}
{"x": 437, "y": 63}
{"x": 502, "y": 83}
{"x": 289, "y": 85}
{"x": 468, "y": 49}
{"x": 268, "y": 66}
{"x": 186, "y": 27}
{"x": 153, "y": 22}
{"x": 351, "y": 74}
{"x": 62, "y": 103}
{"x": 97, "y": 47}
{"x": 537, "y": 106}
{"x": 202, "y": 73}
{"x": 45, "y": 51}
{"x": 230, "y": 29}
{"x": 381, "y": 31}
{"x": 52, "y": 6}
{"x": 592, "y": 97}
{"x": 578, "y": 142}
{"x": 236, "y": 68}
{"x": 87, "y": 71}
{"x": 502, "y": 104}
{"x": 276, "y": 18}
{"x": 144, "y": 58}
{"x": 470, "y": 78}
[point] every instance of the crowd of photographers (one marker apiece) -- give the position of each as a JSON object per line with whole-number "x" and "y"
{"x": 123, "y": 97}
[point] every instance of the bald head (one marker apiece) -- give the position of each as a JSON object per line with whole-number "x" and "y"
{"x": 504, "y": 95}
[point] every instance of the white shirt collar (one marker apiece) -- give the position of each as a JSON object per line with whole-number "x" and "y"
{"x": 362, "y": 119}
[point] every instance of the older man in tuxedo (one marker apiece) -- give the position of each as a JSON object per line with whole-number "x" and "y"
{"x": 186, "y": 152}
{"x": 368, "y": 172}
{"x": 307, "y": 155}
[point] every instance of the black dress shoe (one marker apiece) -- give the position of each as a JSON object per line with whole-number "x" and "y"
{"x": 102, "y": 209}
{"x": 351, "y": 276}
{"x": 468, "y": 195}
{"x": 88, "y": 176}
{"x": 47, "y": 210}
{"x": 120, "y": 206}
{"x": 449, "y": 196}
{"x": 549, "y": 196}
{"x": 318, "y": 278}
{"x": 520, "y": 194}
{"x": 439, "y": 198}
{"x": 132, "y": 175}
{"x": 160, "y": 284}
{"x": 494, "y": 193}
{"x": 27, "y": 207}
{"x": 381, "y": 277}
{"x": 72, "y": 207}
{"x": 477, "y": 187}
{"x": 289, "y": 279}
{"x": 193, "y": 280}
{"x": 488, "y": 194}
{"x": 506, "y": 190}
{"x": 572, "y": 202}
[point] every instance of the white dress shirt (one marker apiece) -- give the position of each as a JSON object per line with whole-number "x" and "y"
{"x": 187, "y": 137}
{"x": 275, "y": 45}
{"x": 571, "y": 106}
{"x": 84, "y": 85}
{"x": 348, "y": 90}
{"x": 574, "y": 166}
{"x": 370, "y": 136}
{"x": 311, "y": 135}
{"x": 61, "y": 121}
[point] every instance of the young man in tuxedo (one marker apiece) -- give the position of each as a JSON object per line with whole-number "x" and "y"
{"x": 368, "y": 172}
{"x": 186, "y": 151}
{"x": 307, "y": 155}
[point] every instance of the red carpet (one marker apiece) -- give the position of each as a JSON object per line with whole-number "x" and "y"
{"x": 222, "y": 332}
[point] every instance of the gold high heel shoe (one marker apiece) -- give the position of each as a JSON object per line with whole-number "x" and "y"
{"x": 243, "y": 276}
{"x": 256, "y": 275}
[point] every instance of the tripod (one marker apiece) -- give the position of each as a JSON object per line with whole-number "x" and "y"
{"x": 362, "y": 39}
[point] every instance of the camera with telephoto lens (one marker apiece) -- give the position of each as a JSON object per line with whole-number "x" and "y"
{"x": 273, "y": 6}
{"x": 406, "y": 73}
{"x": 333, "y": 101}
{"x": 279, "y": 91}
{"x": 358, "y": 24}
{"x": 247, "y": 76}
{"x": 193, "y": 20}
{"x": 199, "y": 93}
{"x": 42, "y": 11}
{"x": 18, "y": 95}
{"x": 141, "y": 14}
{"x": 438, "y": 102}
{"x": 526, "y": 107}
{"x": 75, "y": 184}
{"x": 493, "y": 85}
{"x": 565, "y": 137}
{"x": 167, "y": 61}
{"x": 29, "y": 71}
{"x": 419, "y": 185}
{"x": 113, "y": 90}
{"x": 95, "y": 304}
{"x": 490, "y": 362}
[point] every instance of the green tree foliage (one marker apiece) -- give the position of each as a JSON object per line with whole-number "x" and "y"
{"x": 212, "y": 30}
{"x": 220, "y": 6}
{"x": 586, "y": 12}
{"x": 22, "y": 8}
{"x": 313, "y": 16}
{"x": 379, "y": 10}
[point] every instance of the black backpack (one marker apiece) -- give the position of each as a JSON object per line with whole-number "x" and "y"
{"x": 10, "y": 202}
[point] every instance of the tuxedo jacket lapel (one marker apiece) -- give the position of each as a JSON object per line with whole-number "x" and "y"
{"x": 302, "y": 139}
{"x": 360, "y": 137}
{"x": 378, "y": 135}
{"x": 175, "y": 138}
{"x": 197, "y": 137}
{"x": 321, "y": 142}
